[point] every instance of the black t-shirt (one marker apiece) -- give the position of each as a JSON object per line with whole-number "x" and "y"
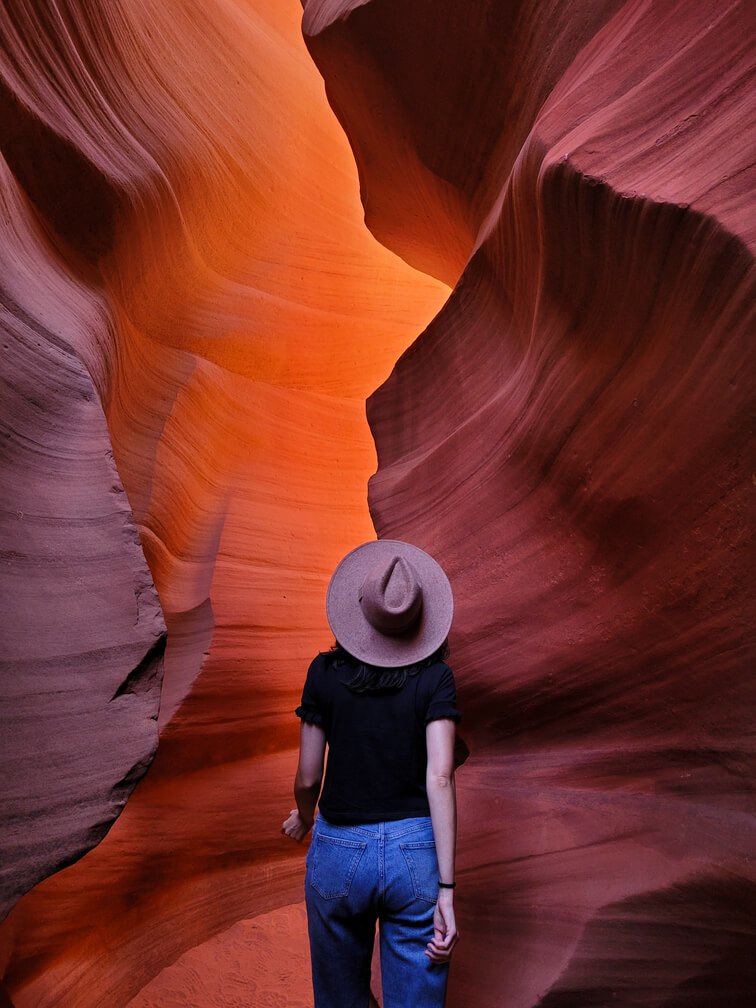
{"x": 377, "y": 755}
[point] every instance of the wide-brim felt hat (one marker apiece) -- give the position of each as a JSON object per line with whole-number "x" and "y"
{"x": 389, "y": 603}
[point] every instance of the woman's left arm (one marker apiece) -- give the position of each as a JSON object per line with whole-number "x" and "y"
{"x": 307, "y": 783}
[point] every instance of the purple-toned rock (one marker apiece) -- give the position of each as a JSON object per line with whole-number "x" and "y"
{"x": 82, "y": 633}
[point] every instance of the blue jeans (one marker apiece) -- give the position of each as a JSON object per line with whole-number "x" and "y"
{"x": 355, "y": 875}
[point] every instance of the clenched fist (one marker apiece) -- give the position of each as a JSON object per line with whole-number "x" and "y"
{"x": 295, "y": 827}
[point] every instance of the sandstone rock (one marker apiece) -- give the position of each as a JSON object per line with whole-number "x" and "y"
{"x": 82, "y": 631}
{"x": 572, "y": 436}
{"x": 240, "y": 313}
{"x": 569, "y": 435}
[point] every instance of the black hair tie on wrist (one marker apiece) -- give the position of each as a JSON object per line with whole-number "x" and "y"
{"x": 447, "y": 885}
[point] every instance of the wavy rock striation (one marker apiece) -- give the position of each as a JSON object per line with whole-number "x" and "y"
{"x": 572, "y": 437}
{"x": 187, "y": 281}
{"x": 82, "y": 630}
{"x": 196, "y": 234}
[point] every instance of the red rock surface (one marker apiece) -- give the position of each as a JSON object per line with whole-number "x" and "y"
{"x": 569, "y": 435}
{"x": 188, "y": 176}
{"x": 232, "y": 968}
{"x": 572, "y": 436}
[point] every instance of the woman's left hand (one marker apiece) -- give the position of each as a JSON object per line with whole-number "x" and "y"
{"x": 295, "y": 827}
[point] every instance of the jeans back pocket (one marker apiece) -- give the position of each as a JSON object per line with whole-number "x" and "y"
{"x": 422, "y": 863}
{"x": 334, "y": 863}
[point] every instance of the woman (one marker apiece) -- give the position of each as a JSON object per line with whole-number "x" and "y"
{"x": 383, "y": 845}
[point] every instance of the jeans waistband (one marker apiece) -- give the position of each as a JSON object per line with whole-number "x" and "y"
{"x": 385, "y": 828}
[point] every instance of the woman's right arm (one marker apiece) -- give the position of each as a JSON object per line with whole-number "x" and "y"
{"x": 439, "y": 784}
{"x": 312, "y": 747}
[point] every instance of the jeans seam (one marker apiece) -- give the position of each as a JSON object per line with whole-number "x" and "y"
{"x": 375, "y": 834}
{"x": 359, "y": 847}
{"x": 416, "y": 886}
{"x": 381, "y": 863}
{"x": 413, "y": 829}
{"x": 341, "y": 841}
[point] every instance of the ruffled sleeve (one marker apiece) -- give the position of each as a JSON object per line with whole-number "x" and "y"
{"x": 443, "y": 700}
{"x": 313, "y": 706}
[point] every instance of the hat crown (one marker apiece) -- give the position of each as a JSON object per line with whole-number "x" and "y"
{"x": 391, "y": 596}
{"x": 389, "y": 603}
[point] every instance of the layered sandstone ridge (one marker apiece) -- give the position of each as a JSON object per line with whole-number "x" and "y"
{"x": 82, "y": 631}
{"x": 571, "y": 436}
{"x": 193, "y": 287}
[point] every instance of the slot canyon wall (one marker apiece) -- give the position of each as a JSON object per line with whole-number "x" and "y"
{"x": 184, "y": 215}
{"x": 554, "y": 336}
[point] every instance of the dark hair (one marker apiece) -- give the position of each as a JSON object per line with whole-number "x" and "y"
{"x": 367, "y": 678}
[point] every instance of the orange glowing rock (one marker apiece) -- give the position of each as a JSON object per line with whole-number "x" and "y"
{"x": 195, "y": 183}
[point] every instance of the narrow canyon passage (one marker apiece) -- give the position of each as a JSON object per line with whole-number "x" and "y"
{"x": 245, "y": 313}
{"x": 551, "y": 391}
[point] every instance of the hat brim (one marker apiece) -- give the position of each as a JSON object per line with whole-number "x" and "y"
{"x": 352, "y": 630}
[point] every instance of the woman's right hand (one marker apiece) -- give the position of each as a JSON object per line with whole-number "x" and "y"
{"x": 295, "y": 826}
{"x": 446, "y": 936}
